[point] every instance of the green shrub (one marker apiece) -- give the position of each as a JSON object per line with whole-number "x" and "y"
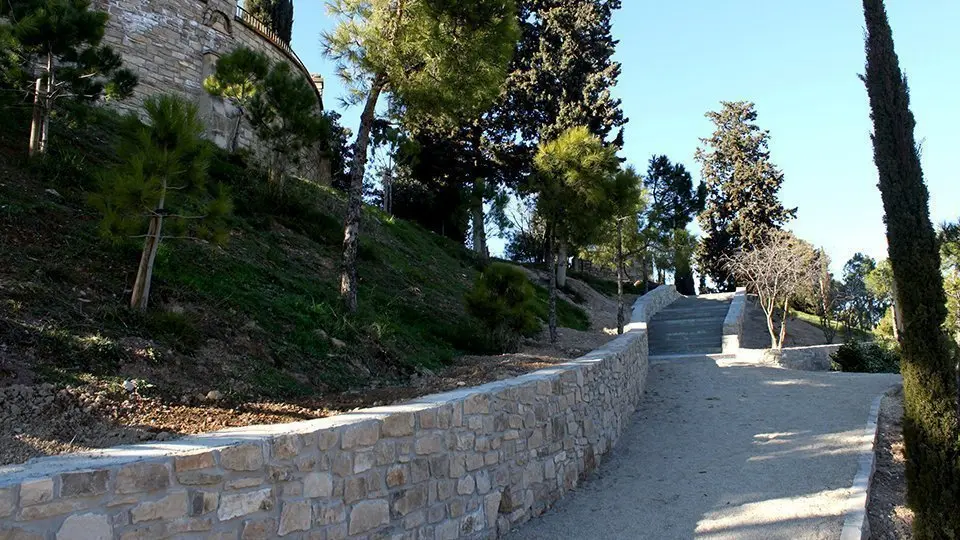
{"x": 502, "y": 299}
{"x": 867, "y": 357}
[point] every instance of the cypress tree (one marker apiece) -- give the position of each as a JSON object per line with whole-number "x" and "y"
{"x": 742, "y": 185}
{"x": 928, "y": 366}
{"x": 276, "y": 14}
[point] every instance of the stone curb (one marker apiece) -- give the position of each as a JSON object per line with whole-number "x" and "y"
{"x": 856, "y": 525}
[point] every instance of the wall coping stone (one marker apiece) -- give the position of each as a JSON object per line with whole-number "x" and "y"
{"x": 733, "y": 322}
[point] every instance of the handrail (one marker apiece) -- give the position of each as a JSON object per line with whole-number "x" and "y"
{"x": 266, "y": 32}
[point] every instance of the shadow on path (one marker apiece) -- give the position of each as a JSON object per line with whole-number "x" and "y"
{"x": 726, "y": 452}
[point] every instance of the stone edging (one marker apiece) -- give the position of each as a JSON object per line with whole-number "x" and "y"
{"x": 856, "y": 525}
{"x": 733, "y": 322}
{"x": 471, "y": 463}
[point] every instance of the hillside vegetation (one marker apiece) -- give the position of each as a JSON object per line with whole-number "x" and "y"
{"x": 258, "y": 317}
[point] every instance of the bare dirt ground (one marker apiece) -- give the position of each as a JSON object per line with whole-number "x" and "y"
{"x": 890, "y": 519}
{"x": 38, "y": 420}
{"x": 756, "y": 335}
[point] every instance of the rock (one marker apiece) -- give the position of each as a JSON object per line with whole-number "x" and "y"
{"x": 368, "y": 515}
{"x": 337, "y": 343}
{"x": 295, "y": 516}
{"x": 129, "y": 385}
{"x": 86, "y": 527}
{"x": 240, "y": 504}
{"x": 318, "y": 484}
{"x": 214, "y": 395}
{"x": 55, "y": 193}
{"x": 171, "y": 506}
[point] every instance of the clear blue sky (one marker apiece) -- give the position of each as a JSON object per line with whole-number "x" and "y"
{"x": 798, "y": 61}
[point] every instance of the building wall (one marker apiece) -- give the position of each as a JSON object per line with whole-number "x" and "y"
{"x": 466, "y": 464}
{"x": 173, "y": 45}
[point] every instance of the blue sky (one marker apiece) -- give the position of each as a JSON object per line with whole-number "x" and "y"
{"x": 798, "y": 61}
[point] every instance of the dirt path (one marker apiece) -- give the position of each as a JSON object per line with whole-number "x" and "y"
{"x": 726, "y": 452}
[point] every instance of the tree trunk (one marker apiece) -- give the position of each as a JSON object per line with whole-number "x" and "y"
{"x": 478, "y": 220}
{"x": 783, "y": 322}
{"x": 619, "y": 277}
{"x": 897, "y": 322}
{"x": 552, "y": 317}
{"x": 236, "y": 131}
{"x": 36, "y": 124}
{"x": 47, "y": 105}
{"x": 141, "y": 287}
{"x": 562, "y": 264}
{"x": 768, "y": 307}
{"x": 351, "y": 227}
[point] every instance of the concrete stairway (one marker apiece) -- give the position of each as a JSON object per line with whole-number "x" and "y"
{"x": 691, "y": 325}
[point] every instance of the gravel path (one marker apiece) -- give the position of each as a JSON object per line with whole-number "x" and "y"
{"x": 726, "y": 452}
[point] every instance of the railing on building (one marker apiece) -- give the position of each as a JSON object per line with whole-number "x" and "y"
{"x": 267, "y": 33}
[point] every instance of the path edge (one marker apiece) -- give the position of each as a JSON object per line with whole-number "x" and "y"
{"x": 856, "y": 524}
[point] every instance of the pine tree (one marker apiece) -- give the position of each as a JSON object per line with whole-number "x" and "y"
{"x": 929, "y": 368}
{"x": 62, "y": 37}
{"x": 160, "y": 185}
{"x": 574, "y": 176}
{"x": 441, "y": 58}
{"x": 742, "y": 184}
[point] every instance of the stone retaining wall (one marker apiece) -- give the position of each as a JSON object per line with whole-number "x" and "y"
{"x": 733, "y": 322}
{"x": 465, "y": 464}
{"x": 173, "y": 45}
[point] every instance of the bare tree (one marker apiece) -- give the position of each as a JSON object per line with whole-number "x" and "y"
{"x": 826, "y": 296}
{"x": 777, "y": 270}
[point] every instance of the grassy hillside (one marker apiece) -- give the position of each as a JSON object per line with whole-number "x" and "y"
{"x": 258, "y": 316}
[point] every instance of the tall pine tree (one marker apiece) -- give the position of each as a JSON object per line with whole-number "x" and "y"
{"x": 742, "y": 185}
{"x": 929, "y": 368}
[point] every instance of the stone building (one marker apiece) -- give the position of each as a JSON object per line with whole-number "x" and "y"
{"x": 173, "y": 45}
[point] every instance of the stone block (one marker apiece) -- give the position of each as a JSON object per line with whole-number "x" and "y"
{"x": 245, "y": 482}
{"x": 397, "y": 475}
{"x": 327, "y": 439}
{"x": 199, "y": 478}
{"x": 318, "y": 484}
{"x": 491, "y": 508}
{"x": 36, "y": 491}
{"x": 259, "y": 529}
{"x": 369, "y": 515}
{"x": 448, "y": 530}
{"x": 477, "y": 404}
{"x": 203, "y": 502}
{"x": 54, "y": 508}
{"x": 429, "y": 444}
{"x": 245, "y": 457}
{"x": 359, "y": 435}
{"x": 363, "y": 462}
{"x": 86, "y": 527}
{"x": 398, "y": 425}
{"x": 285, "y": 446}
{"x": 410, "y": 499}
{"x": 17, "y": 533}
{"x": 83, "y": 483}
{"x": 193, "y": 462}
{"x": 8, "y": 501}
{"x": 233, "y": 505}
{"x": 419, "y": 470}
{"x": 169, "y": 507}
{"x": 329, "y": 514}
{"x": 466, "y": 485}
{"x": 142, "y": 477}
{"x": 294, "y": 516}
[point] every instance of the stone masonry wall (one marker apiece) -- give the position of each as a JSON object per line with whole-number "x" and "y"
{"x": 173, "y": 45}
{"x": 733, "y": 322}
{"x": 465, "y": 464}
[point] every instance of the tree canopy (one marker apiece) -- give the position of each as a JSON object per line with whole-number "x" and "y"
{"x": 742, "y": 186}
